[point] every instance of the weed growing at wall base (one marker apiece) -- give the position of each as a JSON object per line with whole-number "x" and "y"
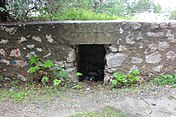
{"x": 125, "y": 79}
{"x": 45, "y": 72}
{"x": 166, "y": 79}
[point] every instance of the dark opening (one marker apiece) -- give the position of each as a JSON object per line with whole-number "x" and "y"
{"x": 3, "y": 13}
{"x": 91, "y": 62}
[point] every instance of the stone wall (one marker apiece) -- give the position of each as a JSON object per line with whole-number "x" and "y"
{"x": 147, "y": 46}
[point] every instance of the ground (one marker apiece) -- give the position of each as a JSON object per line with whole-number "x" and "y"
{"x": 95, "y": 100}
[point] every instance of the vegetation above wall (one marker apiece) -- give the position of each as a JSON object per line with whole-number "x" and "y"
{"x": 77, "y": 9}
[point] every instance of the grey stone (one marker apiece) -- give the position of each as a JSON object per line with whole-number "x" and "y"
{"x": 37, "y": 38}
{"x": 110, "y": 70}
{"x": 47, "y": 55}
{"x": 152, "y": 47}
{"x": 67, "y": 65}
{"x": 113, "y": 49}
{"x": 49, "y": 38}
{"x": 140, "y": 37}
{"x": 173, "y": 25}
{"x": 115, "y": 59}
{"x": 136, "y": 60}
{"x": 122, "y": 48}
{"x": 154, "y": 25}
{"x": 171, "y": 55}
{"x": 163, "y": 25}
{"x": 21, "y": 77}
{"x": 153, "y": 58}
{"x": 170, "y": 36}
{"x": 39, "y": 49}
{"x": 71, "y": 70}
{"x": 71, "y": 56}
{"x": 136, "y": 26}
{"x": 30, "y": 46}
{"x": 130, "y": 39}
{"x": 163, "y": 45}
{"x": 153, "y": 34}
{"x": 60, "y": 64}
{"x": 3, "y": 41}
{"x": 107, "y": 77}
{"x": 157, "y": 68}
{"x": 22, "y": 39}
{"x": 121, "y": 30}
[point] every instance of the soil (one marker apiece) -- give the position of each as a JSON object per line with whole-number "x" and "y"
{"x": 140, "y": 101}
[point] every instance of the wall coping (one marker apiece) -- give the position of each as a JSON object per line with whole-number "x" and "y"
{"x": 83, "y": 22}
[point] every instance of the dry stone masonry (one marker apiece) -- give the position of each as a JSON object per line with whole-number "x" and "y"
{"x": 147, "y": 46}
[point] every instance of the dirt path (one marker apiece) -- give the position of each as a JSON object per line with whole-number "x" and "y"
{"x": 145, "y": 101}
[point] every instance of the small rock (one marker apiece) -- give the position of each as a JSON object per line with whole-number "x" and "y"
{"x": 88, "y": 88}
{"x": 113, "y": 49}
{"x": 153, "y": 104}
{"x": 136, "y": 26}
{"x": 71, "y": 56}
{"x": 136, "y": 60}
{"x": 22, "y": 77}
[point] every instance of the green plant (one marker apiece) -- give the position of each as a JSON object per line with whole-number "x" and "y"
{"x": 56, "y": 82}
{"x": 44, "y": 80}
{"x": 166, "y": 79}
{"x": 18, "y": 96}
{"x": 40, "y": 69}
{"x": 60, "y": 73}
{"x": 48, "y": 64}
{"x": 80, "y": 14}
{"x": 78, "y": 74}
{"x": 45, "y": 72}
{"x": 34, "y": 59}
{"x": 125, "y": 79}
{"x": 34, "y": 69}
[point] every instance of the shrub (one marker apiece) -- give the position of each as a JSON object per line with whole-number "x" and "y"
{"x": 80, "y": 14}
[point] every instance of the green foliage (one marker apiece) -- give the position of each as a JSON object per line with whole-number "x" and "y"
{"x": 60, "y": 73}
{"x": 45, "y": 72}
{"x": 34, "y": 60}
{"x": 125, "y": 79}
{"x": 78, "y": 74}
{"x": 166, "y": 79}
{"x": 38, "y": 70}
{"x": 24, "y": 9}
{"x": 79, "y": 9}
{"x": 18, "y": 96}
{"x": 135, "y": 72}
{"x": 56, "y": 82}
{"x": 34, "y": 69}
{"x": 48, "y": 64}
{"x": 45, "y": 80}
{"x": 80, "y": 14}
{"x": 173, "y": 15}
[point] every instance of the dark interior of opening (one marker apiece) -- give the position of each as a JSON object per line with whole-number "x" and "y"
{"x": 91, "y": 62}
